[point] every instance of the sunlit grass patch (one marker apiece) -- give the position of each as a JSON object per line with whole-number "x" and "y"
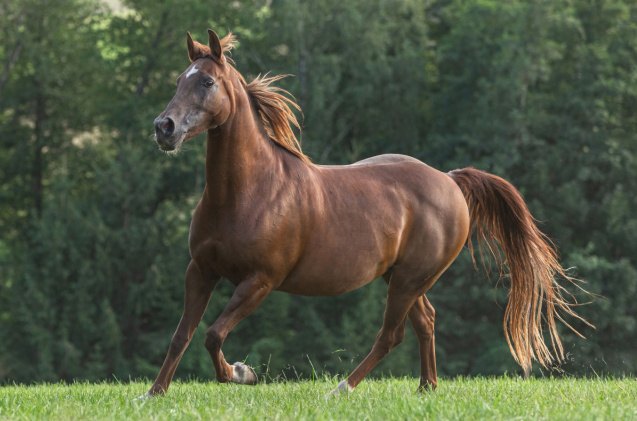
{"x": 460, "y": 398}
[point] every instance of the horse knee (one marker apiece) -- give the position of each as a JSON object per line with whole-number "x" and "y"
{"x": 177, "y": 344}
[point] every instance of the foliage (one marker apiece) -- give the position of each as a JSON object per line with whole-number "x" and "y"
{"x": 94, "y": 221}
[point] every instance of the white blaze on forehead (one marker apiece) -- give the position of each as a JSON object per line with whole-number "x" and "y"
{"x": 192, "y": 71}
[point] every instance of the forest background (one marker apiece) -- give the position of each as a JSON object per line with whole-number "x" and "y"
{"x": 94, "y": 219}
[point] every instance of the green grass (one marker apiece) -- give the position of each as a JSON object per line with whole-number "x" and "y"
{"x": 478, "y": 398}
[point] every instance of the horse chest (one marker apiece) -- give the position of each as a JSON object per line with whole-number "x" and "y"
{"x": 234, "y": 246}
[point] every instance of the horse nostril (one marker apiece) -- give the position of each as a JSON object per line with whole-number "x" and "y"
{"x": 165, "y": 126}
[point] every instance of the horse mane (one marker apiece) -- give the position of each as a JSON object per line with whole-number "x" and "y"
{"x": 275, "y": 106}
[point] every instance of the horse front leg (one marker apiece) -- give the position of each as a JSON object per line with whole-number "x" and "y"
{"x": 196, "y": 296}
{"x": 246, "y": 298}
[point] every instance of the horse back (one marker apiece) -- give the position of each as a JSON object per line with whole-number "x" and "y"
{"x": 375, "y": 214}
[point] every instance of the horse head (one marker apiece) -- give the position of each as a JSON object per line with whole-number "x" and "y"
{"x": 203, "y": 97}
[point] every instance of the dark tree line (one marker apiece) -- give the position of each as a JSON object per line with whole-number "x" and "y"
{"x": 94, "y": 220}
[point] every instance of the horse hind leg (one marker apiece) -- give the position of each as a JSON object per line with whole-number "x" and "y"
{"x": 399, "y": 301}
{"x": 422, "y": 316}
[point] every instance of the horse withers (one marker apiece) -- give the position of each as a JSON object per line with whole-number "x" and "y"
{"x": 269, "y": 219}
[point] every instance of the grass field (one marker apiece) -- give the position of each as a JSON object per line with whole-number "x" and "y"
{"x": 479, "y": 398}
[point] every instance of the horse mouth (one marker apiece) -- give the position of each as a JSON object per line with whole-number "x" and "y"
{"x": 167, "y": 148}
{"x": 170, "y": 144}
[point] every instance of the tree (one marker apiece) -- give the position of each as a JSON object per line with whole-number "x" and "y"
{"x": 94, "y": 221}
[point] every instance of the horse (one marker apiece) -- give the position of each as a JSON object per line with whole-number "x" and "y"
{"x": 270, "y": 219}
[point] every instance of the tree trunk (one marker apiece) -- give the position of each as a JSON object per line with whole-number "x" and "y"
{"x": 38, "y": 161}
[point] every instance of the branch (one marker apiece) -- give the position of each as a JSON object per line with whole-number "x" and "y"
{"x": 150, "y": 63}
{"x": 8, "y": 65}
{"x": 14, "y": 56}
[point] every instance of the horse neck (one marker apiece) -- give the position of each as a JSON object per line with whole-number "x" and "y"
{"x": 240, "y": 159}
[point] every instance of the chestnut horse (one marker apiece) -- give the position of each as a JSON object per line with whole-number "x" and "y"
{"x": 269, "y": 219}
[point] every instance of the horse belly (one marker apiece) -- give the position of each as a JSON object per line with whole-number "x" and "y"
{"x": 328, "y": 280}
{"x": 336, "y": 264}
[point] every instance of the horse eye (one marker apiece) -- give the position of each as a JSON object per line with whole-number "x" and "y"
{"x": 208, "y": 83}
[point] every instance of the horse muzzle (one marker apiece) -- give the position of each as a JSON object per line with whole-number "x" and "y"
{"x": 165, "y": 135}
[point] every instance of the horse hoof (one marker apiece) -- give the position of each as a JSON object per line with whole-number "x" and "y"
{"x": 146, "y": 396}
{"x": 426, "y": 387}
{"x": 342, "y": 389}
{"x": 243, "y": 374}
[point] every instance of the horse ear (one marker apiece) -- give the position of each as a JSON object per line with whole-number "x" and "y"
{"x": 193, "y": 51}
{"x": 215, "y": 46}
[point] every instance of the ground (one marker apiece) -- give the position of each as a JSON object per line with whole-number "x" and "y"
{"x": 460, "y": 398}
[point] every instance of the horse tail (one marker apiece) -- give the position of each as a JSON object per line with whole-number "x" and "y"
{"x": 499, "y": 216}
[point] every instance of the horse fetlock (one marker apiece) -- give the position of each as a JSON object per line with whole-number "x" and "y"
{"x": 243, "y": 374}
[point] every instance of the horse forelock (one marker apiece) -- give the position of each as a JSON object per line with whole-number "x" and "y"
{"x": 228, "y": 43}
